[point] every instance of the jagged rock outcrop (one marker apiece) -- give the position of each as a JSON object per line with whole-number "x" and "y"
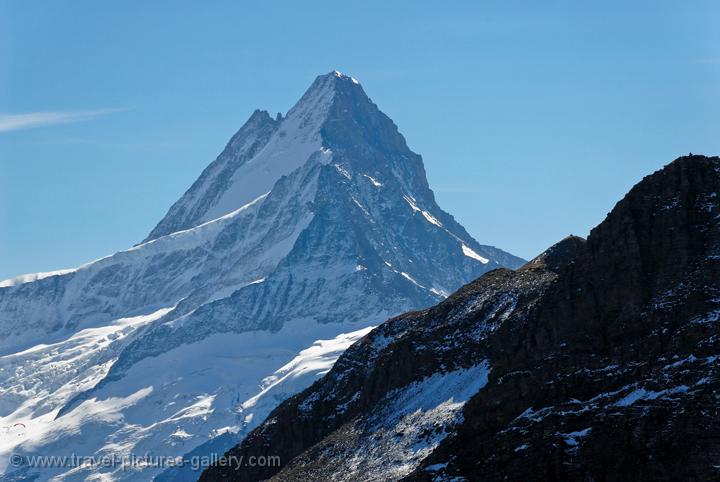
{"x": 597, "y": 360}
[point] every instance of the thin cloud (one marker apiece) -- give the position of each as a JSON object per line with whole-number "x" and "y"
{"x": 31, "y": 120}
{"x": 71, "y": 141}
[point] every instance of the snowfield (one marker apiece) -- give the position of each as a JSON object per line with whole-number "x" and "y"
{"x": 166, "y": 405}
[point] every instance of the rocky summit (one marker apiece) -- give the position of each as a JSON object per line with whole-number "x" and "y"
{"x": 598, "y": 360}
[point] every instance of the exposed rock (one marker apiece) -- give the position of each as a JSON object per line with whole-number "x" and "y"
{"x": 602, "y": 359}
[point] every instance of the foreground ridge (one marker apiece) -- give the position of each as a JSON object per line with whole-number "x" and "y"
{"x": 595, "y": 361}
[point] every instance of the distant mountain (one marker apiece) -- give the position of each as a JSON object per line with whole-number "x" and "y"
{"x": 598, "y": 360}
{"x": 305, "y": 231}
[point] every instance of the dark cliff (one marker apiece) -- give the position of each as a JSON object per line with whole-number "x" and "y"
{"x": 601, "y": 360}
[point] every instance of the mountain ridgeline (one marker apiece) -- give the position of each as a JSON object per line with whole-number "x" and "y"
{"x": 305, "y": 231}
{"x": 598, "y": 360}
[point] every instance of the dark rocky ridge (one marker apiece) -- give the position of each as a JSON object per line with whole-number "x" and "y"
{"x": 634, "y": 316}
{"x": 603, "y": 359}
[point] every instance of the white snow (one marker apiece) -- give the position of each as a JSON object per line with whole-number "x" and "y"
{"x": 410, "y": 278}
{"x": 168, "y": 404}
{"x": 362, "y": 208}
{"x": 29, "y": 278}
{"x": 343, "y": 76}
{"x": 165, "y": 405}
{"x": 435, "y": 467}
{"x": 184, "y": 239}
{"x": 257, "y": 248}
{"x": 374, "y": 181}
{"x": 710, "y": 317}
{"x": 571, "y": 438}
{"x": 315, "y": 361}
{"x": 643, "y": 394}
{"x": 192, "y": 388}
{"x": 343, "y": 171}
{"x": 441, "y": 293}
{"x": 429, "y": 217}
{"x": 292, "y": 144}
{"x": 39, "y": 380}
{"x": 411, "y": 201}
{"x": 408, "y": 425}
{"x": 472, "y": 254}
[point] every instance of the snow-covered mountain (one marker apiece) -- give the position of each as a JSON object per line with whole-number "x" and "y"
{"x": 305, "y": 231}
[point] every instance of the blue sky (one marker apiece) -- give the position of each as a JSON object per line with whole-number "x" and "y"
{"x": 533, "y": 118}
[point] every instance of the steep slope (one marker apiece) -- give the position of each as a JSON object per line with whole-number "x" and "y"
{"x": 261, "y": 152}
{"x": 307, "y": 227}
{"x": 595, "y": 361}
{"x": 208, "y": 198}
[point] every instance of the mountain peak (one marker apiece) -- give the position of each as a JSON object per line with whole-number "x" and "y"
{"x": 265, "y": 149}
{"x": 326, "y": 88}
{"x": 313, "y": 226}
{"x": 339, "y": 75}
{"x": 335, "y": 123}
{"x": 680, "y": 190}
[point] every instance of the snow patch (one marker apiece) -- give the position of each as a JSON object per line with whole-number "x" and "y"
{"x": 409, "y": 424}
{"x": 472, "y": 254}
{"x": 571, "y": 438}
{"x": 410, "y": 278}
{"x": 643, "y": 394}
{"x": 429, "y": 217}
{"x": 442, "y": 293}
{"x": 343, "y": 171}
{"x": 362, "y": 208}
{"x": 374, "y": 181}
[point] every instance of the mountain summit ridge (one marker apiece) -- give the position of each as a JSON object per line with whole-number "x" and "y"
{"x": 306, "y": 230}
{"x": 220, "y": 188}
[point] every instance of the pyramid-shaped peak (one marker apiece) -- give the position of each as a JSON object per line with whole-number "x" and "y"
{"x": 327, "y": 85}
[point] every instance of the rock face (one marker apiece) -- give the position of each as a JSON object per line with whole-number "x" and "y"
{"x": 597, "y": 360}
{"x": 305, "y": 231}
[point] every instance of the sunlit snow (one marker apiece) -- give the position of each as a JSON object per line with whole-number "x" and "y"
{"x": 472, "y": 254}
